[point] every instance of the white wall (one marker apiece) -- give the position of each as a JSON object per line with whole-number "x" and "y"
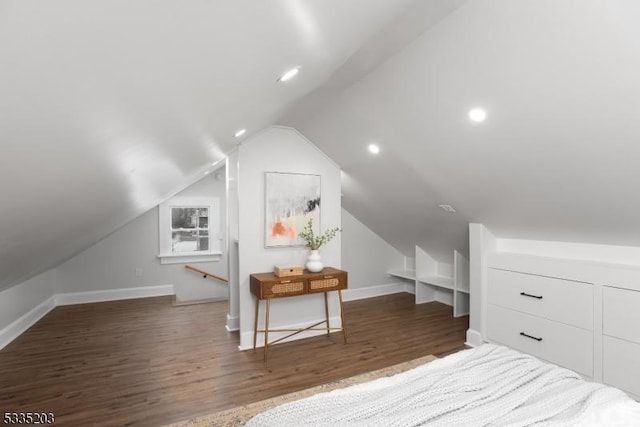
{"x": 107, "y": 270}
{"x": 628, "y": 255}
{"x": 112, "y": 262}
{"x": 279, "y": 149}
{"x": 481, "y": 243}
{"x": 19, "y": 300}
{"x": 233, "y": 317}
{"x": 367, "y": 258}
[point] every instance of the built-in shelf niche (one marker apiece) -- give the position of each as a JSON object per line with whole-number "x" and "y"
{"x": 403, "y": 274}
{"x": 436, "y": 281}
{"x": 407, "y": 273}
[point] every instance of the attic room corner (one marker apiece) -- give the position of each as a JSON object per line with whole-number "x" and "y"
{"x": 126, "y": 264}
{"x": 166, "y": 168}
{"x": 122, "y": 265}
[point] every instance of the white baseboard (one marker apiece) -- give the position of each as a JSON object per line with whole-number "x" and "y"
{"x": 233, "y": 323}
{"x": 113, "y": 294}
{"x": 410, "y": 288}
{"x": 24, "y": 322}
{"x": 247, "y": 337}
{"x": 376, "y": 291}
{"x": 474, "y": 339}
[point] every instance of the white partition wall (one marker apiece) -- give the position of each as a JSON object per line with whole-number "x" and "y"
{"x": 281, "y": 149}
{"x": 426, "y": 273}
{"x": 233, "y": 316}
{"x": 461, "y": 291}
{"x": 481, "y": 243}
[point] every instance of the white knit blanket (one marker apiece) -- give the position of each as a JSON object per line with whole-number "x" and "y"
{"x": 486, "y": 386}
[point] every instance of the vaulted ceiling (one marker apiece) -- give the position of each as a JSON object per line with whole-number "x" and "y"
{"x": 109, "y": 107}
{"x": 557, "y": 157}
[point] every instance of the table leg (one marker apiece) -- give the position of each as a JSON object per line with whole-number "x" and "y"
{"x": 326, "y": 313}
{"x": 255, "y": 323}
{"x": 266, "y": 330}
{"x": 344, "y": 326}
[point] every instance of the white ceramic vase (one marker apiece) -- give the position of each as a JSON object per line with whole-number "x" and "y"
{"x": 314, "y": 262}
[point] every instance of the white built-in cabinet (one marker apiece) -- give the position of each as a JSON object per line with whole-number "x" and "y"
{"x": 621, "y": 338}
{"x": 436, "y": 281}
{"x": 580, "y": 315}
{"x": 548, "y": 317}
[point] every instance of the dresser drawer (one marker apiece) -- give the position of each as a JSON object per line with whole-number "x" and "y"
{"x": 621, "y": 365}
{"x": 564, "y": 301}
{"x": 556, "y": 342}
{"x": 621, "y": 314}
{"x": 282, "y": 288}
{"x": 329, "y": 282}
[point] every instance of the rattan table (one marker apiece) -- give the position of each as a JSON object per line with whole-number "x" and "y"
{"x": 266, "y": 286}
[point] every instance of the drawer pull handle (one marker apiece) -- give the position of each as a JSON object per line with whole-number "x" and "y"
{"x": 524, "y": 294}
{"x": 529, "y": 336}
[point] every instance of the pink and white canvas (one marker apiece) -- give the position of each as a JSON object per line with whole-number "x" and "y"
{"x": 290, "y": 201}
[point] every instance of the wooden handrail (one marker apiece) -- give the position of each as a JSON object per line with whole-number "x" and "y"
{"x": 205, "y": 273}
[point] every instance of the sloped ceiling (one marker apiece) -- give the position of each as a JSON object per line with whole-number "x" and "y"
{"x": 558, "y": 157}
{"x": 108, "y": 107}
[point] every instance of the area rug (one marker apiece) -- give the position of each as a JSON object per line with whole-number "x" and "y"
{"x": 240, "y": 415}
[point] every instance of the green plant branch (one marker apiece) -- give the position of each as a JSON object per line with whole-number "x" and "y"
{"x": 313, "y": 241}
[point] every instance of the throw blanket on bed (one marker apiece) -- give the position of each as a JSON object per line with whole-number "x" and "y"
{"x": 486, "y": 386}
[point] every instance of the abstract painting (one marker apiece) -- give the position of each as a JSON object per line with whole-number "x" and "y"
{"x": 291, "y": 200}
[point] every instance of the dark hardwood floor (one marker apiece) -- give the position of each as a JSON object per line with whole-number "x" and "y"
{"x": 146, "y": 362}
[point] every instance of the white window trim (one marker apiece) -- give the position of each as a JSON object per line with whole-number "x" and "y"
{"x": 164, "y": 241}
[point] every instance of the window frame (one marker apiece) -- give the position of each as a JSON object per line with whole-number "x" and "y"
{"x": 214, "y": 253}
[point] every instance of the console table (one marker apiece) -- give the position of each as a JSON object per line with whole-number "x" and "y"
{"x": 266, "y": 286}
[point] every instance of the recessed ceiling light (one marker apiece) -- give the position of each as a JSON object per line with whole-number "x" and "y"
{"x": 207, "y": 172}
{"x": 447, "y": 208}
{"x": 374, "y": 149}
{"x": 239, "y": 133}
{"x": 477, "y": 115}
{"x": 289, "y": 74}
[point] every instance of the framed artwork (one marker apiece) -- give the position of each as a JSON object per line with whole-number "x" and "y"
{"x": 291, "y": 199}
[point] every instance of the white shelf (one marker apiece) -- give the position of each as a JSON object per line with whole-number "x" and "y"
{"x": 440, "y": 281}
{"x": 403, "y": 274}
{"x": 445, "y": 283}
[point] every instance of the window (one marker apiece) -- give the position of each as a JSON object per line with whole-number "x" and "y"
{"x": 189, "y": 230}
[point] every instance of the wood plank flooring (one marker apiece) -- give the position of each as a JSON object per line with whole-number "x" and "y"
{"x": 145, "y": 362}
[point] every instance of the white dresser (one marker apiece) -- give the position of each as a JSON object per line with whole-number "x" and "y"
{"x": 584, "y": 316}
{"x": 548, "y": 317}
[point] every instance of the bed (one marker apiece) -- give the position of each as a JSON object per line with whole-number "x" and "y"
{"x": 489, "y": 385}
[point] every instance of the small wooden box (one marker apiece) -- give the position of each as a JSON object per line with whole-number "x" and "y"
{"x": 288, "y": 270}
